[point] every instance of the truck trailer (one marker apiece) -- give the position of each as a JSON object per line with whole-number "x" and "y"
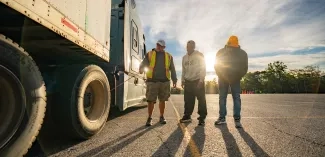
{"x": 70, "y": 60}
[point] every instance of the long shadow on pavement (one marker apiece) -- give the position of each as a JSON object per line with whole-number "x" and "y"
{"x": 115, "y": 112}
{"x": 53, "y": 142}
{"x": 199, "y": 139}
{"x": 107, "y": 149}
{"x": 256, "y": 149}
{"x": 171, "y": 145}
{"x": 231, "y": 145}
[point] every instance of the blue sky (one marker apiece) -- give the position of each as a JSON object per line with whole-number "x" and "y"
{"x": 292, "y": 31}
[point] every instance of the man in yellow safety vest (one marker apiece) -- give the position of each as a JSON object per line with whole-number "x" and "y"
{"x": 160, "y": 70}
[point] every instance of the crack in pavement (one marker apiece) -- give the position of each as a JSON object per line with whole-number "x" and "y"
{"x": 116, "y": 124}
{"x": 289, "y": 134}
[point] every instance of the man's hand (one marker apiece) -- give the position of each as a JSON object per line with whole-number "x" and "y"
{"x": 183, "y": 84}
{"x": 174, "y": 84}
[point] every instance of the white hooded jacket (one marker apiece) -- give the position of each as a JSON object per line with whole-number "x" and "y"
{"x": 193, "y": 67}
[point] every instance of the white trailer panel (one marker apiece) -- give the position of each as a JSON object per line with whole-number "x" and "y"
{"x": 98, "y": 16}
{"x": 75, "y": 10}
{"x": 52, "y": 14}
{"x": 91, "y": 16}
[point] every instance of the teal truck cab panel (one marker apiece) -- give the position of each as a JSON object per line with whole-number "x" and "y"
{"x": 127, "y": 50}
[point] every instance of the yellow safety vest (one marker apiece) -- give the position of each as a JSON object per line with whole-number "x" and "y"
{"x": 152, "y": 60}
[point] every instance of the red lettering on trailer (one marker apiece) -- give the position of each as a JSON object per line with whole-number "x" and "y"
{"x": 68, "y": 24}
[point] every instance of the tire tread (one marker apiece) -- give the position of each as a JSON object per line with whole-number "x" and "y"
{"x": 16, "y": 45}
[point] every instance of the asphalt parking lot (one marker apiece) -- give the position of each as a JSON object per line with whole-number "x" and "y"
{"x": 273, "y": 125}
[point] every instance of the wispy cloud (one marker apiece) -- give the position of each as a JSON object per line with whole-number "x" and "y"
{"x": 275, "y": 27}
{"x": 304, "y": 51}
{"x": 292, "y": 61}
{"x": 262, "y": 26}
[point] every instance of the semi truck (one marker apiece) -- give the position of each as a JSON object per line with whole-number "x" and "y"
{"x": 71, "y": 60}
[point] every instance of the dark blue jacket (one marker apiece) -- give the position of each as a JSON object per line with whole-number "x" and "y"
{"x": 231, "y": 63}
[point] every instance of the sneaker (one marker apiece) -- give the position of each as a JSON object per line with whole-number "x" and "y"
{"x": 162, "y": 120}
{"x": 238, "y": 124}
{"x": 186, "y": 119}
{"x": 220, "y": 121}
{"x": 201, "y": 122}
{"x": 149, "y": 121}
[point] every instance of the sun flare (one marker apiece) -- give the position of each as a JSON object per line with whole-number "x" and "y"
{"x": 209, "y": 61}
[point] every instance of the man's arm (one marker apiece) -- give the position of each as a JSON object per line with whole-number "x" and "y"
{"x": 144, "y": 63}
{"x": 173, "y": 71}
{"x": 245, "y": 63}
{"x": 202, "y": 67}
{"x": 183, "y": 71}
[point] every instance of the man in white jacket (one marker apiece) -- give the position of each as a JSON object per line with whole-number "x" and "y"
{"x": 193, "y": 75}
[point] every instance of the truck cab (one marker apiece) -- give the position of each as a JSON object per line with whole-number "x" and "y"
{"x": 66, "y": 63}
{"x": 127, "y": 51}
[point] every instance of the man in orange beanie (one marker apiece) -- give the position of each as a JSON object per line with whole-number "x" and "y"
{"x": 231, "y": 65}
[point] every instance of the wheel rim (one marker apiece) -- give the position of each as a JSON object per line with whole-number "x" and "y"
{"x": 94, "y": 102}
{"x": 12, "y": 105}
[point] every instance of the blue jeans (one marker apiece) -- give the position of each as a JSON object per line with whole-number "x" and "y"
{"x": 223, "y": 92}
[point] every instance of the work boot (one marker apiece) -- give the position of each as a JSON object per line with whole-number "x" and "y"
{"x": 238, "y": 124}
{"x": 220, "y": 121}
{"x": 162, "y": 120}
{"x": 186, "y": 119}
{"x": 201, "y": 122}
{"x": 149, "y": 121}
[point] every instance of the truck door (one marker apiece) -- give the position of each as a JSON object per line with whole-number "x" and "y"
{"x": 136, "y": 48}
{"x": 133, "y": 55}
{"x": 135, "y": 90}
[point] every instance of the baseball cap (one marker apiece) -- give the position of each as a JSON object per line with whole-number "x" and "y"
{"x": 161, "y": 42}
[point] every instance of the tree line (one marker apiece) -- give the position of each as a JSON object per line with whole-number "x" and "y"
{"x": 276, "y": 78}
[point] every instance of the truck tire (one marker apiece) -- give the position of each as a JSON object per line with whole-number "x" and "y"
{"x": 75, "y": 82}
{"x": 22, "y": 99}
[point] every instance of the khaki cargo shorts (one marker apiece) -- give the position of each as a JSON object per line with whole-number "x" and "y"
{"x": 158, "y": 89}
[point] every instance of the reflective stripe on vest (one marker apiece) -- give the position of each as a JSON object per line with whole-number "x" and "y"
{"x": 152, "y": 60}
